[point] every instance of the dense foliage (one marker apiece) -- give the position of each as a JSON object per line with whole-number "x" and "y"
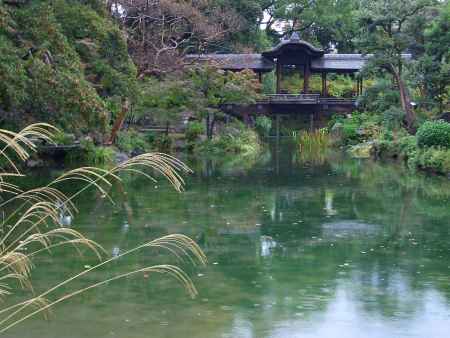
{"x": 62, "y": 62}
{"x": 434, "y": 133}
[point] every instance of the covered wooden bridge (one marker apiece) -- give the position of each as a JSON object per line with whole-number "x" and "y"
{"x": 290, "y": 56}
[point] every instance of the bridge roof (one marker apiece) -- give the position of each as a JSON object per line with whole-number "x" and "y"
{"x": 257, "y": 62}
{"x": 288, "y": 50}
{"x": 343, "y": 62}
{"x": 339, "y": 62}
{"x": 235, "y": 62}
{"x": 294, "y": 44}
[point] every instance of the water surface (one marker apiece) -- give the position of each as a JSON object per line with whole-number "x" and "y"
{"x": 325, "y": 248}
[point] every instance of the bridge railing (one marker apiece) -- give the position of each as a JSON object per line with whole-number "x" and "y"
{"x": 305, "y": 99}
{"x": 337, "y": 100}
{"x": 280, "y": 98}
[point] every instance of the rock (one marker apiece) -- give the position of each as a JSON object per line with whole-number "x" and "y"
{"x": 362, "y": 150}
{"x": 121, "y": 157}
{"x": 34, "y": 163}
{"x": 137, "y": 152}
{"x": 445, "y": 117}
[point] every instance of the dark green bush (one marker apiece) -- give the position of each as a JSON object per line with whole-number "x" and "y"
{"x": 193, "y": 131}
{"x": 350, "y": 133}
{"x": 408, "y": 146}
{"x": 63, "y": 62}
{"x": 129, "y": 141}
{"x": 433, "y": 159}
{"x": 164, "y": 143}
{"x": 434, "y": 133}
{"x": 263, "y": 125}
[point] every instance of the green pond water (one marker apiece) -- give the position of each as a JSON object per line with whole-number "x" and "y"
{"x": 330, "y": 247}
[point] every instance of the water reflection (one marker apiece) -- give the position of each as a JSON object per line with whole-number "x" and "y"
{"x": 298, "y": 249}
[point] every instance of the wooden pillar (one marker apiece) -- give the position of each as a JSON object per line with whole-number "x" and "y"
{"x": 311, "y": 122}
{"x": 260, "y": 77}
{"x": 277, "y": 126}
{"x": 306, "y": 74}
{"x": 361, "y": 86}
{"x": 324, "y": 84}
{"x": 279, "y": 75}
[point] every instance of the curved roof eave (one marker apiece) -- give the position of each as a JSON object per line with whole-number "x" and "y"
{"x": 295, "y": 42}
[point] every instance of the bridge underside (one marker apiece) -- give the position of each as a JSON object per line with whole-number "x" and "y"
{"x": 292, "y": 105}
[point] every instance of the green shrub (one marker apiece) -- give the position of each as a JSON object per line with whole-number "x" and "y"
{"x": 408, "y": 146}
{"x": 434, "y": 133}
{"x": 433, "y": 159}
{"x": 62, "y": 138}
{"x": 350, "y": 133}
{"x": 404, "y": 147}
{"x": 150, "y": 137}
{"x": 62, "y": 62}
{"x": 129, "y": 141}
{"x": 193, "y": 131}
{"x": 164, "y": 143}
{"x": 92, "y": 154}
{"x": 263, "y": 125}
{"x": 100, "y": 155}
{"x": 235, "y": 138}
{"x": 387, "y": 148}
{"x": 393, "y": 117}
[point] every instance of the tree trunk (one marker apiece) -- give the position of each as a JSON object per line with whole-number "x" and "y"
{"x": 213, "y": 123}
{"x": 410, "y": 115}
{"x": 210, "y": 121}
{"x": 119, "y": 121}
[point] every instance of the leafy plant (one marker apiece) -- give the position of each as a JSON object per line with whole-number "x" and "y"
{"x": 164, "y": 143}
{"x": 263, "y": 125}
{"x": 130, "y": 140}
{"x": 193, "y": 131}
{"x": 434, "y": 133}
{"x": 76, "y": 59}
{"x": 235, "y": 138}
{"x": 433, "y": 159}
{"x": 101, "y": 155}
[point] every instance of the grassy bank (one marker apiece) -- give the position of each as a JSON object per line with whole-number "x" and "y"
{"x": 365, "y": 135}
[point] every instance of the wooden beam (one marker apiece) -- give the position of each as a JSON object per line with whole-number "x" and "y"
{"x": 278, "y": 74}
{"x": 357, "y": 87}
{"x": 324, "y": 84}
{"x": 306, "y": 73}
{"x": 277, "y": 126}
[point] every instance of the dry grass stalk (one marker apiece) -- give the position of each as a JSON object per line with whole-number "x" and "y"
{"x": 34, "y": 222}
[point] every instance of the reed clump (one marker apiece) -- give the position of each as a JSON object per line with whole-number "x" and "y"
{"x": 313, "y": 146}
{"x": 31, "y": 225}
{"x": 314, "y": 140}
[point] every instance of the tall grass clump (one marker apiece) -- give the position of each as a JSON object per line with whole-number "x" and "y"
{"x": 30, "y": 226}
{"x": 314, "y": 140}
{"x": 313, "y": 146}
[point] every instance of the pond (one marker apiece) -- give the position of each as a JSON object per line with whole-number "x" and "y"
{"x": 296, "y": 248}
